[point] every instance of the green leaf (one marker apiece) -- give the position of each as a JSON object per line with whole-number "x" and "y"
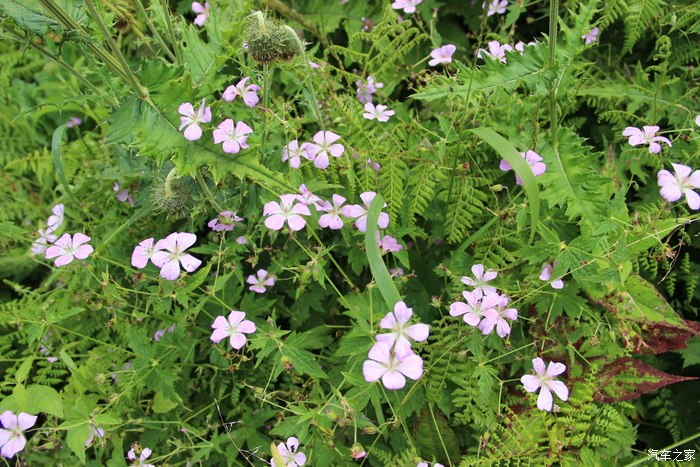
{"x": 77, "y": 437}
{"x": 199, "y": 57}
{"x": 521, "y": 167}
{"x": 643, "y": 303}
{"x": 304, "y": 362}
{"x": 28, "y": 14}
{"x": 23, "y": 370}
{"x": 33, "y": 399}
{"x": 161, "y": 404}
{"x": 374, "y": 257}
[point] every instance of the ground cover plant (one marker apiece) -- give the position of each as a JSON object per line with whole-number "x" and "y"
{"x": 323, "y": 232}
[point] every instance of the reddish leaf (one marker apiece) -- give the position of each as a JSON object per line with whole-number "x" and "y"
{"x": 660, "y": 337}
{"x": 627, "y": 378}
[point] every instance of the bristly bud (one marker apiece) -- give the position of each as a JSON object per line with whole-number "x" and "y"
{"x": 171, "y": 195}
{"x": 268, "y": 41}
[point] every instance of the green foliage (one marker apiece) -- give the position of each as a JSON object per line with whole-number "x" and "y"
{"x": 100, "y": 343}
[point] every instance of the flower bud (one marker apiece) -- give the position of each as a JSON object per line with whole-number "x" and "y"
{"x": 268, "y": 41}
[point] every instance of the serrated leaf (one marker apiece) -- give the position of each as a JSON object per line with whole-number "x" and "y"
{"x": 33, "y": 399}
{"x": 304, "y": 362}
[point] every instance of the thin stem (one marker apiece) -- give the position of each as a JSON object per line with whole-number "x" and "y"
{"x": 171, "y": 32}
{"x": 205, "y": 188}
{"x": 140, "y": 90}
{"x": 154, "y": 31}
{"x": 553, "y": 25}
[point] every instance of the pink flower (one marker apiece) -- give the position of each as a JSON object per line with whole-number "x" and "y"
{"x": 359, "y": 213}
{"x": 497, "y": 51}
{"x": 73, "y": 121}
{"x": 42, "y": 241}
{"x": 161, "y": 332}
{"x": 235, "y": 329}
{"x": 56, "y": 218}
{"x": 289, "y": 453}
{"x": 520, "y": 46}
{"x": 391, "y": 367}
{"x": 357, "y": 451}
{"x": 480, "y": 279}
{"x": 681, "y": 182}
{"x": 497, "y": 317}
{"x": 263, "y": 280}
{"x": 202, "y": 12}
{"x": 233, "y": 138}
{"x": 294, "y": 152}
{"x": 241, "y": 240}
{"x": 408, "y": 6}
{"x": 99, "y": 432}
{"x": 142, "y": 253}
{"x": 322, "y": 146}
{"x": 496, "y": 7}
{"x": 591, "y": 36}
{"x": 533, "y": 159}
{"x": 426, "y": 464}
{"x": 546, "y": 275}
{"x": 396, "y": 321}
{"x": 332, "y": 219}
{"x": 476, "y": 306}
{"x": 388, "y": 244}
{"x": 226, "y": 220}
{"x": 379, "y": 112}
{"x": 12, "y": 437}
{"x": 249, "y": 92}
{"x": 123, "y": 194}
{"x": 697, "y": 120}
{"x": 189, "y": 120}
{"x": 285, "y": 211}
{"x": 637, "y": 137}
{"x": 374, "y": 165}
{"x": 170, "y": 253}
{"x": 309, "y": 199}
{"x": 145, "y": 454}
{"x": 544, "y": 380}
{"x": 365, "y": 90}
{"x": 66, "y": 248}
{"x": 442, "y": 54}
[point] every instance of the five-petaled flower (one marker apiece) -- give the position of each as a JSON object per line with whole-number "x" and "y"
{"x": 123, "y": 194}
{"x": 477, "y": 304}
{"x": 294, "y": 152}
{"x": 408, "y": 6}
{"x": 333, "y": 210}
{"x": 290, "y": 454}
{"x": 145, "y": 454}
{"x": 235, "y": 328}
{"x": 533, "y": 159}
{"x": 42, "y": 241}
{"x": 287, "y": 210}
{"x": 397, "y": 322}
{"x": 264, "y": 279}
{"x": 646, "y": 136}
{"x": 202, "y": 12}
{"x": 480, "y": 279}
{"x": 94, "y": 431}
{"x": 68, "y": 247}
{"x": 391, "y": 367}
{"x": 591, "y": 36}
{"x": 366, "y": 89}
{"x": 496, "y": 317}
{"x": 546, "y": 275}
{"x": 497, "y": 51}
{"x": 379, "y": 112}
{"x": 226, "y": 220}
{"x": 442, "y": 54}
{"x": 387, "y": 244}
{"x": 359, "y": 213}
{"x": 323, "y": 145}
{"x": 308, "y": 198}
{"x": 12, "y": 438}
{"x": 249, "y": 92}
{"x": 190, "y": 120}
{"x": 234, "y": 138}
{"x": 681, "y": 182}
{"x": 544, "y": 380}
{"x": 170, "y": 253}
{"x": 496, "y": 7}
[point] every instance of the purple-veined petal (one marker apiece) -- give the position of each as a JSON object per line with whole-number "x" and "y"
{"x": 559, "y": 389}
{"x": 530, "y": 382}
{"x": 170, "y": 270}
{"x": 545, "y": 400}
{"x": 372, "y": 370}
{"x": 393, "y": 380}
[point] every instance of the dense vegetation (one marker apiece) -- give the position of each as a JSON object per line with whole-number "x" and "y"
{"x": 323, "y": 232}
